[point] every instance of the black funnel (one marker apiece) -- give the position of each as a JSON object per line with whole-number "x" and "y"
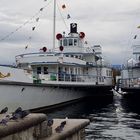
{"x": 73, "y": 28}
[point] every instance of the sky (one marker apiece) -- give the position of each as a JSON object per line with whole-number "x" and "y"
{"x": 109, "y": 23}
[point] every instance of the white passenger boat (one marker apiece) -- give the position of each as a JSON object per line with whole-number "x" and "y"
{"x": 130, "y": 75}
{"x": 56, "y": 76}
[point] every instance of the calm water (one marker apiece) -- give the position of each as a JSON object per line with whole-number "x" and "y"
{"x": 111, "y": 118}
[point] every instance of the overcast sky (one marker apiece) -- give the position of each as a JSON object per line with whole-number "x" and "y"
{"x": 109, "y": 23}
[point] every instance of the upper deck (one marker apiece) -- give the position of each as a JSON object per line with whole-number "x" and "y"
{"x": 73, "y": 61}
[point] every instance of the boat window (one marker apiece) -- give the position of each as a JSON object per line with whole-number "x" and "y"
{"x": 65, "y": 42}
{"x": 110, "y": 73}
{"x": 70, "y": 42}
{"x": 75, "y": 42}
{"x": 107, "y": 72}
{"x": 86, "y": 70}
{"x": 79, "y": 71}
{"x": 45, "y": 70}
{"x": 71, "y": 71}
{"x": 80, "y": 57}
{"x": 67, "y": 55}
{"x": 38, "y": 70}
{"x": 75, "y": 70}
{"x": 102, "y": 79}
{"x": 61, "y": 43}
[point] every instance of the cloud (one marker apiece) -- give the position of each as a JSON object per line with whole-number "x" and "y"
{"x": 110, "y": 23}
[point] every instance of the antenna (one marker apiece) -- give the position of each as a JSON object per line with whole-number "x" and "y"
{"x": 54, "y": 23}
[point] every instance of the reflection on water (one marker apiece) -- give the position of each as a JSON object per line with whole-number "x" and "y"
{"x": 80, "y": 109}
{"x": 111, "y": 118}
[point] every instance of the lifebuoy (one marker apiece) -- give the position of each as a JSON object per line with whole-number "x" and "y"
{"x": 59, "y": 36}
{"x": 61, "y": 48}
{"x": 81, "y": 35}
{"x": 44, "y": 49}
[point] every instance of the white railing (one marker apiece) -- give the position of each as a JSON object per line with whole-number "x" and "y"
{"x": 34, "y": 55}
{"x": 71, "y": 78}
{"x": 130, "y": 82}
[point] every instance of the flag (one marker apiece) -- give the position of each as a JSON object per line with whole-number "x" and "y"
{"x": 37, "y": 19}
{"x": 68, "y": 16}
{"x": 41, "y": 9}
{"x": 26, "y": 47}
{"x": 86, "y": 42}
{"x": 63, "y": 6}
{"x": 33, "y": 28}
{"x": 135, "y": 36}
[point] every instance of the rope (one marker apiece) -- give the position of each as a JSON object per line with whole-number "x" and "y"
{"x": 62, "y": 18}
{"x": 26, "y": 22}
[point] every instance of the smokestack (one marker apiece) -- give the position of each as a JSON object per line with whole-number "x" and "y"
{"x": 73, "y": 28}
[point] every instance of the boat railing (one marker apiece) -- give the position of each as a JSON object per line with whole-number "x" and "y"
{"x": 71, "y": 77}
{"x": 130, "y": 82}
{"x": 34, "y": 55}
{"x": 131, "y": 66}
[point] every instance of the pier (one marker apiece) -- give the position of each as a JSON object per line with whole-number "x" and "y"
{"x": 35, "y": 127}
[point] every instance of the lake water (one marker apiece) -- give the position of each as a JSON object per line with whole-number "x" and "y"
{"x": 115, "y": 118}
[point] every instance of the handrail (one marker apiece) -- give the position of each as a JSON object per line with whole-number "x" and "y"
{"x": 130, "y": 82}
{"x": 33, "y": 54}
{"x": 50, "y": 76}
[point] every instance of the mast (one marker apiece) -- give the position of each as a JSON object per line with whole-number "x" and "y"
{"x": 54, "y": 23}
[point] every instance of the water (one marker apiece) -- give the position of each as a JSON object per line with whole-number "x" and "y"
{"x": 114, "y": 118}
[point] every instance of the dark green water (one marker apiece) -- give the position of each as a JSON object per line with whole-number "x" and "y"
{"x": 114, "y": 118}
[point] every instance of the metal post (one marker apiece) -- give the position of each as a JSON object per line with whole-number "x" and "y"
{"x": 54, "y": 24}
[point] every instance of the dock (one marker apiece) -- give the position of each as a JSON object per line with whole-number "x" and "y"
{"x": 35, "y": 127}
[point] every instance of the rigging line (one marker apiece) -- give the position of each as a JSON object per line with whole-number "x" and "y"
{"x": 62, "y": 17}
{"x": 26, "y": 22}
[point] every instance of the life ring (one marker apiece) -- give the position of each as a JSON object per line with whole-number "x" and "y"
{"x": 59, "y": 36}
{"x": 81, "y": 35}
{"x": 44, "y": 49}
{"x": 61, "y": 48}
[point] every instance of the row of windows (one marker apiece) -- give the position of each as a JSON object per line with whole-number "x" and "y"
{"x": 45, "y": 70}
{"x": 69, "y": 42}
{"x": 67, "y": 70}
{"x": 75, "y": 56}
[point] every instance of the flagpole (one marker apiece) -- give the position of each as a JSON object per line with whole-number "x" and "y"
{"x": 54, "y": 24}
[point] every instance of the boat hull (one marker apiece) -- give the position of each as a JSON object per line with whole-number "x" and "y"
{"x": 38, "y": 96}
{"x": 131, "y": 91}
